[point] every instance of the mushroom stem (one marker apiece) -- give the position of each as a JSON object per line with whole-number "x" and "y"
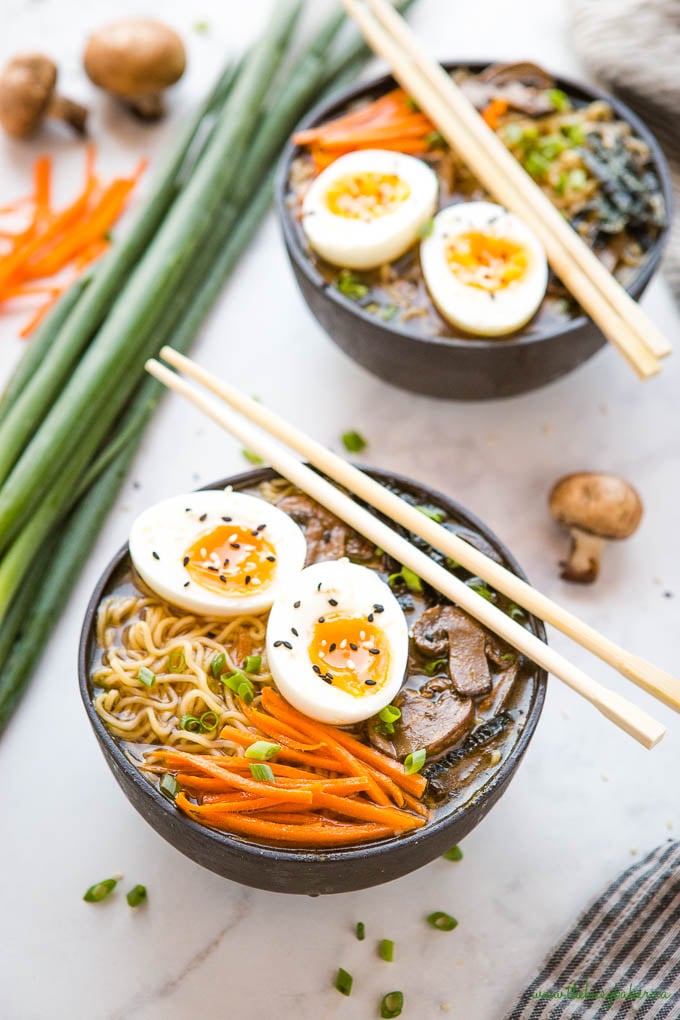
{"x": 583, "y": 564}
{"x": 149, "y": 107}
{"x": 69, "y": 111}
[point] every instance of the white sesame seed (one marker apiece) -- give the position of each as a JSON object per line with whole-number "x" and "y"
{"x": 343, "y": 643}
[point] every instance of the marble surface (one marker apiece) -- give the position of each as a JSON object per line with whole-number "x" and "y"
{"x": 586, "y": 800}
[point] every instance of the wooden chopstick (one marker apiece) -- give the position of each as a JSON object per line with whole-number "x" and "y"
{"x": 628, "y": 717}
{"x": 650, "y": 678}
{"x": 621, "y": 320}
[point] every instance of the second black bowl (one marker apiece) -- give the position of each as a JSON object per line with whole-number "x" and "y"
{"x": 450, "y": 367}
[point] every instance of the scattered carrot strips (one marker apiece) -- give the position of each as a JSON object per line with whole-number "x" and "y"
{"x": 59, "y": 243}
{"x": 493, "y": 111}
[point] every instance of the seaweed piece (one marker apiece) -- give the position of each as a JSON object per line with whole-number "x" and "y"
{"x": 484, "y": 734}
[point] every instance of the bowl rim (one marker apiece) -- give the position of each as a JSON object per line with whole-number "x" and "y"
{"x": 116, "y": 756}
{"x": 381, "y": 83}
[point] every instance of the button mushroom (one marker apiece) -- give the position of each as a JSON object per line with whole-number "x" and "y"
{"x": 27, "y": 96}
{"x": 447, "y": 631}
{"x": 595, "y": 507}
{"x": 135, "y": 59}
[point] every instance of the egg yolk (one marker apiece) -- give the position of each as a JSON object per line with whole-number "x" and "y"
{"x": 232, "y": 559}
{"x": 486, "y": 262}
{"x": 366, "y": 196}
{"x": 350, "y": 653}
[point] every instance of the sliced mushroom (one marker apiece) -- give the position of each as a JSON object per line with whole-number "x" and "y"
{"x": 595, "y": 507}
{"x": 524, "y": 71}
{"x": 27, "y": 96}
{"x": 136, "y": 59}
{"x": 447, "y": 631}
{"x": 522, "y": 85}
{"x": 432, "y": 718}
{"x": 328, "y": 538}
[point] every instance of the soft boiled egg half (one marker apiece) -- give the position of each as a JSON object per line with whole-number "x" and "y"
{"x": 368, "y": 207}
{"x": 337, "y": 643}
{"x": 217, "y": 553}
{"x": 485, "y": 270}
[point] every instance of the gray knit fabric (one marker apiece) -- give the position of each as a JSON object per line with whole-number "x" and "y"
{"x": 633, "y": 48}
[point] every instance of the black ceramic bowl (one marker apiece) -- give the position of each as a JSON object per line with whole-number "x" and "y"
{"x": 305, "y": 871}
{"x": 456, "y": 368}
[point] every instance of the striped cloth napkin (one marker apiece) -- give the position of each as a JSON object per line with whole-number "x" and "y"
{"x": 622, "y": 956}
{"x": 633, "y": 48}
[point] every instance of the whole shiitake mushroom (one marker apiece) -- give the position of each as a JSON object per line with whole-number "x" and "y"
{"x": 27, "y": 96}
{"x": 135, "y": 59}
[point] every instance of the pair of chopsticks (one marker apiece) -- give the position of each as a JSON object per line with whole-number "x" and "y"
{"x": 627, "y": 716}
{"x": 619, "y": 317}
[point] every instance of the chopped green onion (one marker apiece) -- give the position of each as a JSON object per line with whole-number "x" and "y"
{"x": 218, "y": 664}
{"x": 436, "y": 666}
{"x": 516, "y": 612}
{"x": 551, "y": 146}
{"x": 100, "y": 890}
{"x": 454, "y": 854}
{"x": 147, "y": 676}
{"x": 508, "y": 657}
{"x": 536, "y": 164}
{"x": 343, "y": 982}
{"x": 349, "y": 284}
{"x": 435, "y": 140}
{"x": 361, "y": 931}
{"x": 202, "y": 27}
{"x": 451, "y": 564}
{"x": 577, "y": 179}
{"x": 190, "y": 723}
{"x": 477, "y": 585}
{"x": 386, "y": 950}
{"x": 512, "y": 133}
{"x": 209, "y": 721}
{"x": 442, "y": 921}
{"x": 574, "y": 133}
{"x": 136, "y": 895}
{"x": 246, "y": 692}
{"x": 387, "y": 312}
{"x": 176, "y": 661}
{"x": 559, "y": 99}
{"x": 426, "y": 229}
{"x": 414, "y": 761}
{"x": 390, "y": 713}
{"x": 169, "y": 785}
{"x": 408, "y": 577}
{"x": 354, "y": 442}
{"x": 435, "y": 513}
{"x": 262, "y": 750}
{"x": 391, "y": 1005}
{"x": 252, "y": 663}
{"x": 262, "y": 773}
{"x": 411, "y": 103}
{"x": 234, "y": 680}
{"x": 252, "y": 457}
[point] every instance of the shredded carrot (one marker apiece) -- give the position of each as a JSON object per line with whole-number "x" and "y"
{"x": 38, "y": 317}
{"x": 399, "y": 821}
{"x": 493, "y": 111}
{"x": 287, "y": 735}
{"x": 310, "y": 834}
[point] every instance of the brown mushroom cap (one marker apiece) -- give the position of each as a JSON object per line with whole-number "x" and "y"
{"x": 599, "y": 504}
{"x": 135, "y": 57}
{"x": 26, "y": 86}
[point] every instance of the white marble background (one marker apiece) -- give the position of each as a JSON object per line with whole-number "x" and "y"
{"x": 586, "y": 800}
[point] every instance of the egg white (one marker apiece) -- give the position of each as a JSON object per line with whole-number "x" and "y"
{"x": 170, "y": 527}
{"x": 364, "y": 244}
{"x": 471, "y": 308}
{"x": 356, "y": 589}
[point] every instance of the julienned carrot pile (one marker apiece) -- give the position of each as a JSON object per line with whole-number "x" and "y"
{"x": 357, "y": 795}
{"x": 56, "y": 241}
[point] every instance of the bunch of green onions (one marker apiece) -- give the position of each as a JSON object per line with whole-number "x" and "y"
{"x": 73, "y": 413}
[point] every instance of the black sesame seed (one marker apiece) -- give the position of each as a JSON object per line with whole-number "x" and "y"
{"x": 332, "y": 602}
{"x": 316, "y": 669}
{"x": 236, "y": 545}
{"x": 318, "y": 587}
{"x": 327, "y": 679}
{"x": 155, "y": 555}
{"x": 272, "y": 559}
{"x": 287, "y": 644}
{"x": 187, "y": 509}
{"x": 187, "y": 583}
{"x": 227, "y": 519}
{"x": 203, "y": 517}
{"x": 322, "y": 619}
{"x": 370, "y": 617}
{"x": 260, "y": 527}
{"x": 293, "y": 631}
{"x": 296, "y": 605}
{"x": 223, "y": 579}
{"x": 374, "y": 651}
{"x": 214, "y": 569}
{"x": 226, "y": 562}
{"x": 326, "y": 536}
{"x": 185, "y": 561}
{"x": 333, "y": 647}
{"x": 370, "y": 683}
{"x": 353, "y": 646}
{"x": 378, "y": 608}
{"x": 277, "y": 644}
{"x": 247, "y": 578}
